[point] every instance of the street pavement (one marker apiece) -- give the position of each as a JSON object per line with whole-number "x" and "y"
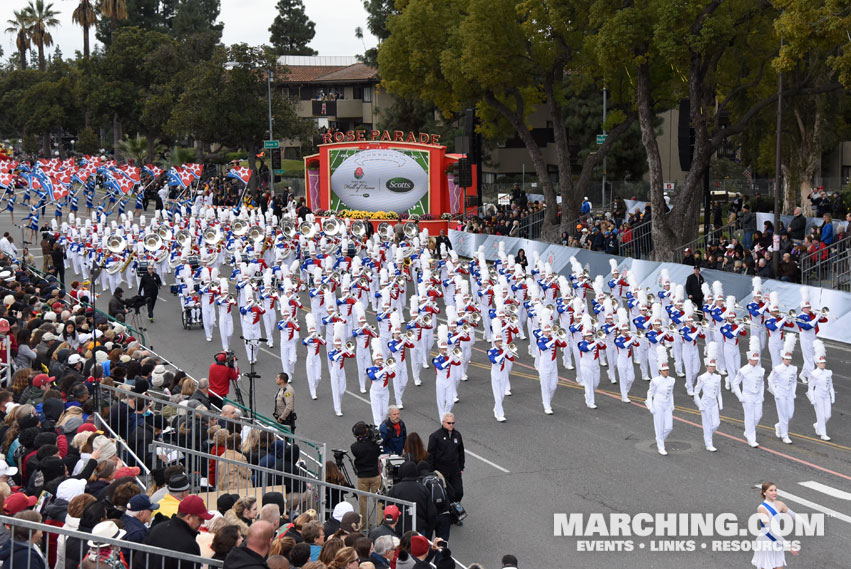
{"x": 522, "y": 473}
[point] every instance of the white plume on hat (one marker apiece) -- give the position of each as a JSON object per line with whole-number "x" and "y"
{"x": 310, "y": 321}
{"x": 339, "y": 331}
{"x": 688, "y": 309}
{"x": 655, "y": 313}
{"x": 442, "y": 336}
{"x": 545, "y": 316}
{"x": 496, "y": 328}
{"x": 662, "y": 357}
{"x": 730, "y": 304}
{"x": 789, "y": 345}
{"x": 608, "y": 307}
{"x": 753, "y": 348}
{"x": 533, "y": 289}
{"x": 805, "y": 297}
{"x": 664, "y": 277}
{"x": 375, "y": 345}
{"x": 587, "y": 325}
{"x": 718, "y": 290}
{"x": 757, "y": 285}
{"x": 773, "y": 300}
{"x": 819, "y": 351}
{"x": 395, "y": 322}
{"x": 679, "y": 294}
{"x": 598, "y": 285}
{"x": 360, "y": 312}
{"x": 623, "y": 318}
{"x": 451, "y": 314}
{"x": 564, "y": 286}
{"x": 711, "y": 354}
{"x": 613, "y": 265}
{"x": 414, "y": 304}
{"x": 707, "y": 293}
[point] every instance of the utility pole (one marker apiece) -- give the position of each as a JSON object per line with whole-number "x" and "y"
{"x": 269, "y": 96}
{"x": 603, "y": 198}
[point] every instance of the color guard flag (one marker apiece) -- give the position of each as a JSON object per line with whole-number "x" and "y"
{"x": 196, "y": 169}
{"x": 125, "y": 185}
{"x": 242, "y": 174}
{"x": 5, "y": 179}
{"x": 174, "y": 178}
{"x": 152, "y": 170}
{"x": 132, "y": 173}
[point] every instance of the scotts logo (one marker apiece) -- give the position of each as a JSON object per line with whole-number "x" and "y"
{"x": 400, "y": 185}
{"x": 359, "y": 173}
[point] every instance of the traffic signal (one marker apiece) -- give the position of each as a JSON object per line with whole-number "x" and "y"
{"x": 465, "y": 172}
{"x": 276, "y": 159}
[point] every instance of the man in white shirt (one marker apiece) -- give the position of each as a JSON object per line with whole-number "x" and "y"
{"x": 7, "y": 245}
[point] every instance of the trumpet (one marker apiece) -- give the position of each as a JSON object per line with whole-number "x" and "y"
{"x": 601, "y": 334}
{"x": 350, "y": 347}
{"x": 457, "y": 352}
{"x": 391, "y": 362}
{"x": 410, "y": 335}
{"x": 512, "y": 347}
{"x": 561, "y": 334}
{"x": 825, "y": 311}
{"x": 792, "y": 313}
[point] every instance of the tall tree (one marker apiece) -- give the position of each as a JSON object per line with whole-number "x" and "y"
{"x": 509, "y": 58}
{"x": 19, "y": 27}
{"x": 195, "y": 25}
{"x": 377, "y": 12}
{"x": 86, "y": 16}
{"x": 41, "y": 18}
{"x": 113, "y": 12}
{"x": 292, "y": 30}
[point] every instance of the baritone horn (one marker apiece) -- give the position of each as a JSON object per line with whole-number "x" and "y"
{"x": 410, "y": 230}
{"x": 116, "y": 243}
{"x": 152, "y": 242}
{"x": 385, "y": 231}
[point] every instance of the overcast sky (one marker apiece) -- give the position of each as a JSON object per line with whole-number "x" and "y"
{"x": 245, "y": 21}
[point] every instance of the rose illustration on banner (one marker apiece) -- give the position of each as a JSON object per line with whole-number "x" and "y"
{"x": 359, "y": 173}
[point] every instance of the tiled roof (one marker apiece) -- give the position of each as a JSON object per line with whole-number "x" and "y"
{"x": 328, "y": 74}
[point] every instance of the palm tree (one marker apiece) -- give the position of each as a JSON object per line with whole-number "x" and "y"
{"x": 20, "y": 28}
{"x": 41, "y": 18}
{"x": 114, "y": 10}
{"x": 180, "y": 155}
{"x": 85, "y": 15}
{"x": 139, "y": 149}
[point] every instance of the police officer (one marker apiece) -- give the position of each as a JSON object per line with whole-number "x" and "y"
{"x": 285, "y": 402}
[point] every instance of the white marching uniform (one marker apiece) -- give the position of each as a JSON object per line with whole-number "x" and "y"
{"x": 500, "y": 359}
{"x": 313, "y": 362}
{"x": 660, "y": 401}
{"x": 289, "y": 329}
{"x": 749, "y": 388}
{"x": 208, "y": 309}
{"x": 225, "y": 320}
{"x": 707, "y": 398}
{"x": 251, "y": 316}
{"x": 822, "y": 395}
{"x": 782, "y": 382}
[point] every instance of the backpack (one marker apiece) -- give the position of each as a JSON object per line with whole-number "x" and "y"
{"x": 437, "y": 491}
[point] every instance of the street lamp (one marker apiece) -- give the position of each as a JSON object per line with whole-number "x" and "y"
{"x": 73, "y": 142}
{"x": 231, "y": 65}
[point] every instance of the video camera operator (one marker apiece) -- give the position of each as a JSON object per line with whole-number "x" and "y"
{"x": 116, "y": 305}
{"x": 366, "y": 451}
{"x": 222, "y": 371}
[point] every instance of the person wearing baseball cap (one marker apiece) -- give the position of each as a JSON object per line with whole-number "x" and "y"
{"x": 388, "y": 526}
{"x": 179, "y": 533}
{"x": 18, "y": 503}
{"x": 135, "y": 519}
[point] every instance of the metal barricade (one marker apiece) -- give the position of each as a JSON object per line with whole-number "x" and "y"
{"x": 833, "y": 272}
{"x": 703, "y": 241}
{"x": 32, "y": 550}
{"x": 640, "y": 244}
{"x": 190, "y": 427}
{"x": 235, "y": 475}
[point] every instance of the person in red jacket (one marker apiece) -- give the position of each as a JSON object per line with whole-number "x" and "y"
{"x": 221, "y": 373}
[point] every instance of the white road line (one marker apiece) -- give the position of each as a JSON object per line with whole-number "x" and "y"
{"x": 825, "y": 489}
{"x": 359, "y": 398}
{"x": 486, "y": 461}
{"x": 818, "y": 507}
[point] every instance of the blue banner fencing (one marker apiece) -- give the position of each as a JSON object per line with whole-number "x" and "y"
{"x": 647, "y": 274}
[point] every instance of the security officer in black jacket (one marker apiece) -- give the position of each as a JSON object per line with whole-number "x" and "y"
{"x": 446, "y": 454}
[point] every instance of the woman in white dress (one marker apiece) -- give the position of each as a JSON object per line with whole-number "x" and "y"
{"x": 769, "y": 548}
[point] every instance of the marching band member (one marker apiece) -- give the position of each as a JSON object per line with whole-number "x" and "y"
{"x": 429, "y": 306}
{"x": 690, "y": 334}
{"x": 225, "y": 302}
{"x": 676, "y": 317}
{"x": 748, "y": 386}
{"x": 642, "y": 325}
{"x": 289, "y": 328}
{"x": 330, "y": 319}
{"x": 346, "y": 303}
{"x": 251, "y": 313}
{"x": 456, "y": 339}
{"x": 808, "y": 322}
{"x": 269, "y": 297}
{"x": 610, "y": 331}
{"x": 774, "y": 325}
{"x": 547, "y": 364}
{"x": 820, "y": 392}
{"x": 656, "y": 337}
{"x": 521, "y": 295}
{"x": 567, "y": 317}
{"x": 498, "y": 357}
{"x": 578, "y": 310}
{"x": 317, "y": 292}
{"x": 379, "y": 377}
{"x": 730, "y": 332}
{"x": 313, "y": 363}
{"x": 207, "y": 294}
{"x": 782, "y": 383}
{"x": 707, "y": 397}
{"x": 665, "y": 295}
{"x": 443, "y": 364}
{"x": 363, "y": 334}
{"x": 617, "y": 283}
{"x": 625, "y": 344}
{"x": 383, "y": 318}
{"x": 589, "y": 360}
{"x": 417, "y": 324}
{"x": 531, "y": 315}
{"x": 336, "y": 363}
{"x": 660, "y": 401}
{"x": 397, "y": 347}
{"x": 757, "y": 310}
{"x": 716, "y": 316}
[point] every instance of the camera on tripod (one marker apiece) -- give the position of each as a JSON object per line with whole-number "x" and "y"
{"x": 227, "y": 358}
{"x": 366, "y": 432}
